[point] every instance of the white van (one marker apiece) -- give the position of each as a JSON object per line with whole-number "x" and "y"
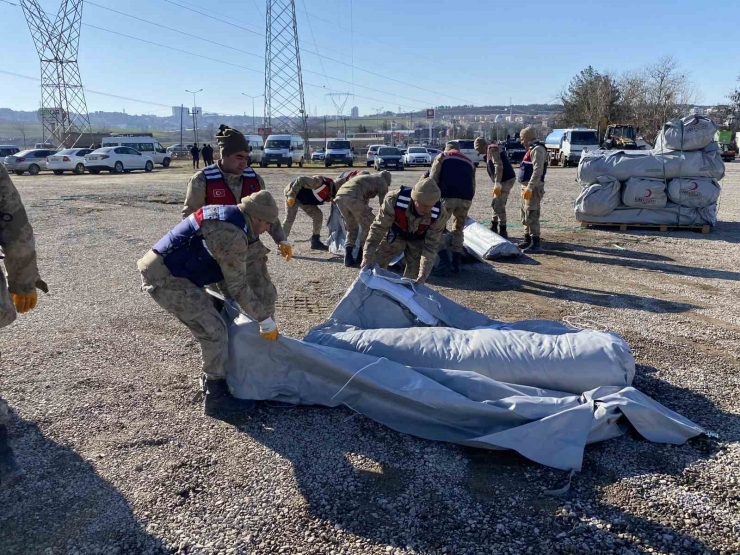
{"x": 283, "y": 149}
{"x": 339, "y": 151}
{"x": 256, "y": 148}
{"x": 467, "y": 147}
{"x": 148, "y": 146}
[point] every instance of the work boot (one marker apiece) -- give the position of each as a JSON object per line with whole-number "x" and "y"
{"x": 502, "y": 231}
{"x": 358, "y": 260}
{"x": 456, "y": 256}
{"x": 444, "y": 267}
{"x": 534, "y": 248}
{"x": 493, "y": 225}
{"x": 349, "y": 260}
{"x": 9, "y": 469}
{"x": 317, "y": 245}
{"x": 218, "y": 400}
{"x": 527, "y": 241}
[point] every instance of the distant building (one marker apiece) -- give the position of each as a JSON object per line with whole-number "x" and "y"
{"x": 176, "y": 111}
{"x": 355, "y": 112}
{"x": 696, "y": 111}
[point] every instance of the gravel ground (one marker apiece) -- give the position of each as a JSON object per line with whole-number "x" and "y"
{"x": 119, "y": 458}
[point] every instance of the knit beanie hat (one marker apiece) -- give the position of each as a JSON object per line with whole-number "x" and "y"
{"x": 231, "y": 141}
{"x": 452, "y": 145}
{"x": 528, "y": 133}
{"x": 426, "y": 191}
{"x": 480, "y": 142}
{"x": 387, "y": 176}
{"x": 261, "y": 206}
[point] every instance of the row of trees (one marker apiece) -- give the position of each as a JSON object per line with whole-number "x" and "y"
{"x": 644, "y": 97}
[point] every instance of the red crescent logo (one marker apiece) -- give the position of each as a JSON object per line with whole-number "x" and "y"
{"x": 649, "y": 193}
{"x": 694, "y": 187}
{"x": 219, "y": 193}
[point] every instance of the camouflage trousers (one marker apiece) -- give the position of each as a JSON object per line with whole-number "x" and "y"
{"x": 411, "y": 255}
{"x": 457, "y": 211}
{"x": 313, "y": 211}
{"x": 499, "y": 203}
{"x": 194, "y": 307}
{"x": 357, "y": 214}
{"x": 531, "y": 211}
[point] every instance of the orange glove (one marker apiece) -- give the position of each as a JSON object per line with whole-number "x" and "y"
{"x": 526, "y": 194}
{"x": 24, "y": 303}
{"x": 497, "y": 190}
{"x": 286, "y": 250}
{"x": 290, "y": 202}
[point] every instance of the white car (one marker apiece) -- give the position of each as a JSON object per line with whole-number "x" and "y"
{"x": 68, "y": 160}
{"x": 417, "y": 156}
{"x": 372, "y": 150}
{"x": 117, "y": 159}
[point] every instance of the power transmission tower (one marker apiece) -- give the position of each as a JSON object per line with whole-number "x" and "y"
{"x": 63, "y": 108}
{"x": 285, "y": 110}
{"x": 339, "y": 100}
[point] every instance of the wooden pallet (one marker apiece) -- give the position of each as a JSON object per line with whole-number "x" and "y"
{"x": 658, "y": 227}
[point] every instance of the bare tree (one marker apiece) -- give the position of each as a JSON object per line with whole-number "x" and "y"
{"x": 21, "y": 127}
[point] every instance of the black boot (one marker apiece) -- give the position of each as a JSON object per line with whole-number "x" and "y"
{"x": 358, "y": 260}
{"x": 494, "y": 224}
{"x": 218, "y": 400}
{"x": 9, "y": 469}
{"x": 444, "y": 267}
{"x": 534, "y": 248}
{"x": 317, "y": 245}
{"x": 527, "y": 241}
{"x": 456, "y": 256}
{"x": 502, "y": 231}
{"x": 349, "y": 260}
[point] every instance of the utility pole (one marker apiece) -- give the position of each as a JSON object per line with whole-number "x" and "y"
{"x": 254, "y": 127}
{"x": 195, "y": 114}
{"x": 325, "y": 135}
{"x": 182, "y": 108}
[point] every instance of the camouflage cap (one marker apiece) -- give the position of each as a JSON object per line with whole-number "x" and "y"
{"x": 426, "y": 191}
{"x": 262, "y": 206}
{"x": 480, "y": 143}
{"x": 387, "y": 176}
{"x": 452, "y": 145}
{"x": 528, "y": 134}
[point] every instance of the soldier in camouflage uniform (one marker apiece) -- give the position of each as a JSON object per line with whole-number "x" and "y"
{"x": 502, "y": 174}
{"x": 353, "y": 201}
{"x": 455, "y": 174}
{"x": 532, "y": 179}
{"x": 411, "y": 222}
{"x": 229, "y": 180}
{"x": 216, "y": 244}
{"x": 17, "y": 294}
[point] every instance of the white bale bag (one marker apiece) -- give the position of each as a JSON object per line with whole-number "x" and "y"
{"x": 639, "y": 192}
{"x": 693, "y": 192}
{"x": 689, "y": 133}
{"x": 599, "y": 199}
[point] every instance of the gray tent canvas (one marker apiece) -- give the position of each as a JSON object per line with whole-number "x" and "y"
{"x": 462, "y": 405}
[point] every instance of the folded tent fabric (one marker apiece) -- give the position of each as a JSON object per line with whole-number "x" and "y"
{"x": 548, "y": 426}
{"x": 484, "y": 244}
{"x": 671, "y": 215}
{"x": 600, "y": 198}
{"x": 640, "y": 192}
{"x": 694, "y": 192}
{"x": 689, "y": 133}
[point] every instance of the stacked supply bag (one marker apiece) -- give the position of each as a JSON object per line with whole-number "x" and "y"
{"x": 676, "y": 183}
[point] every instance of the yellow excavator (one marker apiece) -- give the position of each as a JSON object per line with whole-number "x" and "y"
{"x": 617, "y": 136}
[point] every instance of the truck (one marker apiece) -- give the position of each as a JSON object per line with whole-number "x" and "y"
{"x": 727, "y": 144}
{"x": 564, "y": 146}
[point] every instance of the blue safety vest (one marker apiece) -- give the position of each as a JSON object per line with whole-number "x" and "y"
{"x": 185, "y": 253}
{"x": 526, "y": 168}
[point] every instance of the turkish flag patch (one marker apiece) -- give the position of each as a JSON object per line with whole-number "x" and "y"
{"x": 219, "y": 193}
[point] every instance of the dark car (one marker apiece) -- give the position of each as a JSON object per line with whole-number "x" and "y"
{"x": 514, "y": 150}
{"x": 433, "y": 152}
{"x": 388, "y": 157}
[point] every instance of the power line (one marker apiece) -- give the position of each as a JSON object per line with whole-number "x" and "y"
{"x": 321, "y": 61}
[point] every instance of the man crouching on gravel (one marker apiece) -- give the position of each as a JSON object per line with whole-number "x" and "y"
{"x": 18, "y": 294}
{"x": 216, "y": 245}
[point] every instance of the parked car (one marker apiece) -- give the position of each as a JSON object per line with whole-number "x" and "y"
{"x": 179, "y": 150}
{"x": 147, "y": 146}
{"x": 417, "y": 156}
{"x": 388, "y": 157}
{"x": 117, "y": 159}
{"x": 434, "y": 152}
{"x": 372, "y": 150}
{"x": 339, "y": 152}
{"x": 467, "y": 147}
{"x": 318, "y": 155}
{"x": 256, "y": 148}
{"x": 8, "y": 150}
{"x": 514, "y": 149}
{"x": 31, "y": 161}
{"x": 70, "y": 160}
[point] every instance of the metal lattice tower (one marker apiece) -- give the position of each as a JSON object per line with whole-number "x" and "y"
{"x": 339, "y": 99}
{"x": 285, "y": 111}
{"x": 63, "y": 108}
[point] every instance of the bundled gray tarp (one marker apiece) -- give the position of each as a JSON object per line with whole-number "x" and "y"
{"x": 640, "y": 192}
{"x": 623, "y": 164}
{"x": 694, "y": 192}
{"x": 671, "y": 215}
{"x": 484, "y": 244}
{"x": 337, "y": 232}
{"x": 551, "y": 427}
{"x": 600, "y": 198}
{"x": 689, "y": 133}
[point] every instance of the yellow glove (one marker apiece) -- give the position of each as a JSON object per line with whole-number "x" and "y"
{"x": 24, "y": 303}
{"x": 290, "y": 202}
{"x": 497, "y": 190}
{"x": 268, "y": 329}
{"x": 286, "y": 250}
{"x": 526, "y": 194}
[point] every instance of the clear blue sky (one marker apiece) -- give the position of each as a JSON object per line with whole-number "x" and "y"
{"x": 480, "y": 52}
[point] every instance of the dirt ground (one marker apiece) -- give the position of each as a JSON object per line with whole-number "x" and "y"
{"x": 119, "y": 458}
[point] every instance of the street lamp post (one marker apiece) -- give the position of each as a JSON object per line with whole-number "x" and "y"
{"x": 195, "y": 115}
{"x": 254, "y": 127}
